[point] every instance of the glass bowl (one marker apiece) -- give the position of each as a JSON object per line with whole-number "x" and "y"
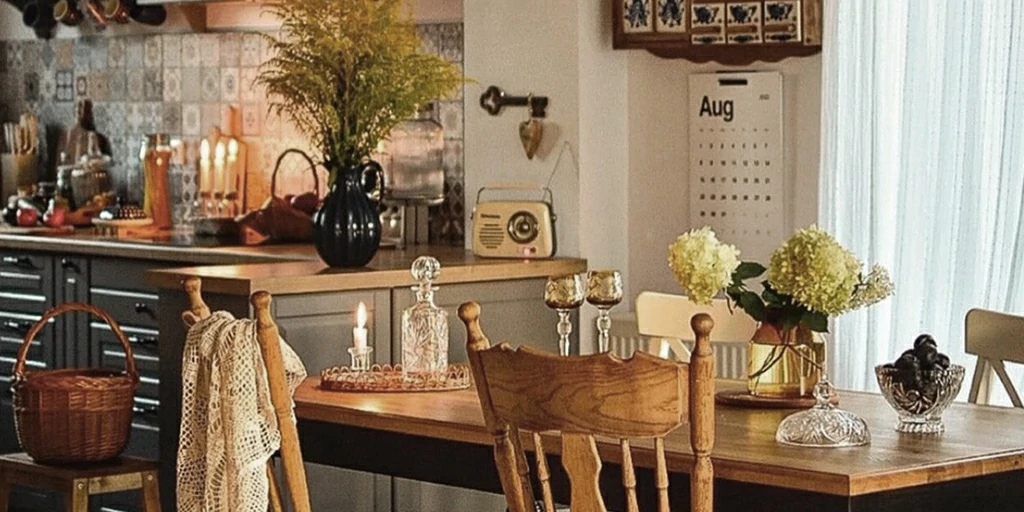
{"x": 919, "y": 402}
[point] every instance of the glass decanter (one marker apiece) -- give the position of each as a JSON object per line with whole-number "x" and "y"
{"x": 424, "y": 325}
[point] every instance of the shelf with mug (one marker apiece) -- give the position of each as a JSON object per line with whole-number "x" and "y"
{"x": 731, "y": 33}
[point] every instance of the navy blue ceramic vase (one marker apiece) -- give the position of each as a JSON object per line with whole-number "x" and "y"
{"x": 346, "y": 228}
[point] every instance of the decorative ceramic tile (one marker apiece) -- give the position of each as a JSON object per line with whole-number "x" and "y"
{"x": 98, "y": 49}
{"x": 15, "y": 55}
{"x": 3, "y": 56}
{"x": 250, "y": 52}
{"x": 31, "y": 50}
{"x": 135, "y": 52}
{"x": 118, "y": 123}
{"x": 101, "y": 116}
{"x": 782, "y": 22}
{"x": 191, "y": 119}
{"x": 152, "y": 52}
{"x": 671, "y": 16}
{"x": 48, "y": 85}
{"x": 229, "y": 84}
{"x": 210, "y": 117}
{"x": 230, "y": 49}
{"x": 63, "y": 53}
{"x": 65, "y": 114}
{"x": 172, "y": 50}
{"x": 451, "y": 42}
{"x": 252, "y": 114}
{"x": 190, "y": 53}
{"x": 430, "y": 38}
{"x": 451, "y": 119}
{"x": 743, "y": 22}
{"x": 117, "y": 52}
{"x": 453, "y": 154}
{"x": 136, "y": 85}
{"x": 135, "y": 118}
{"x": 152, "y": 115}
{"x": 267, "y": 51}
{"x": 47, "y": 57}
{"x": 637, "y": 16}
{"x": 209, "y": 50}
{"x": 117, "y": 84}
{"x": 172, "y": 84}
{"x": 171, "y": 118}
{"x": 98, "y": 90}
{"x": 271, "y": 122}
{"x": 65, "y": 86}
{"x": 153, "y": 85}
{"x": 191, "y": 85}
{"x": 707, "y": 23}
{"x": 210, "y": 78}
{"x": 80, "y": 56}
{"x": 248, "y": 89}
{"x": 81, "y": 85}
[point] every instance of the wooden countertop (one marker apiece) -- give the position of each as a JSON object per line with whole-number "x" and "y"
{"x": 90, "y": 244}
{"x": 388, "y": 269}
{"x": 978, "y": 440}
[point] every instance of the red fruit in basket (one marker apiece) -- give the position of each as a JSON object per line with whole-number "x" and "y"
{"x": 28, "y": 217}
{"x": 54, "y": 217}
{"x": 306, "y": 203}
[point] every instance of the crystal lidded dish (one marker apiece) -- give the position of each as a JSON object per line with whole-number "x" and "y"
{"x": 920, "y": 401}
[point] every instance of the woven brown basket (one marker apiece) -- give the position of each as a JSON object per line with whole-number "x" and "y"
{"x": 69, "y": 416}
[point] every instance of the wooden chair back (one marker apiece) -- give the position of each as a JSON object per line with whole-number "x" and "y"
{"x": 995, "y": 338}
{"x": 529, "y": 391}
{"x": 664, "y": 319}
{"x": 268, "y": 337}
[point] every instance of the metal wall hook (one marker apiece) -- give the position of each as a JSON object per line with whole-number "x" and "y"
{"x": 494, "y": 99}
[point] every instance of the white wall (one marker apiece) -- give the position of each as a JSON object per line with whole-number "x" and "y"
{"x": 658, "y": 161}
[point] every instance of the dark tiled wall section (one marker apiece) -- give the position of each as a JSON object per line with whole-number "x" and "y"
{"x": 183, "y": 84}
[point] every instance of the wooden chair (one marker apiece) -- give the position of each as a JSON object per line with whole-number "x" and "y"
{"x": 582, "y": 396}
{"x": 77, "y": 483}
{"x": 268, "y": 337}
{"x": 995, "y": 338}
{"x": 663, "y": 318}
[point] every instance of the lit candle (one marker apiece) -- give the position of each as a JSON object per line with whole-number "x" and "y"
{"x": 204, "y": 166}
{"x": 359, "y": 332}
{"x": 218, "y": 164}
{"x": 229, "y": 174}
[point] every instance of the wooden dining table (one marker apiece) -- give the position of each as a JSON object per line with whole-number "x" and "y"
{"x": 439, "y": 437}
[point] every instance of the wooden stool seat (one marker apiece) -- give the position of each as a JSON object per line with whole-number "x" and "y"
{"x": 78, "y": 482}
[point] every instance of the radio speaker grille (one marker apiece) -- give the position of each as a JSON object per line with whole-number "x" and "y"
{"x": 491, "y": 235}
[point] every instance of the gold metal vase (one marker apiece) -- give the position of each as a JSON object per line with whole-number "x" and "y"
{"x": 784, "y": 363}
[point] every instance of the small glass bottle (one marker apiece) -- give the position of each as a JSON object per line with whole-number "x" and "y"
{"x": 424, "y": 325}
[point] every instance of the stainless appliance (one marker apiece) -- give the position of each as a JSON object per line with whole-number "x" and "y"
{"x": 514, "y": 228}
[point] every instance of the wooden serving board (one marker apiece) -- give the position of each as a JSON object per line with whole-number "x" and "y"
{"x": 35, "y": 230}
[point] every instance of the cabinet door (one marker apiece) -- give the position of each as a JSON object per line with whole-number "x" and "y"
{"x": 71, "y": 275}
{"x": 319, "y": 328}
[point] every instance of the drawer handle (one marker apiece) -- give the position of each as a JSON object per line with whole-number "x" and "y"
{"x": 147, "y": 410}
{"x": 22, "y": 262}
{"x": 67, "y": 264}
{"x": 143, "y": 309}
{"x": 20, "y": 327}
{"x": 143, "y": 340}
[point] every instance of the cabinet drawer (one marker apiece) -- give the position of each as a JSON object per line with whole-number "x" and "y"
{"x": 122, "y": 274}
{"x": 26, "y": 282}
{"x": 111, "y": 354}
{"x": 13, "y": 327}
{"x": 127, "y": 307}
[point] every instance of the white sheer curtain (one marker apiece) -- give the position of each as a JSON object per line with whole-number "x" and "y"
{"x": 923, "y": 167}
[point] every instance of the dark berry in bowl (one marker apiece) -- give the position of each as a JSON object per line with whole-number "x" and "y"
{"x": 925, "y": 339}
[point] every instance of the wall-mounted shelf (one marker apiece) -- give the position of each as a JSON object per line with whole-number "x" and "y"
{"x": 732, "y": 33}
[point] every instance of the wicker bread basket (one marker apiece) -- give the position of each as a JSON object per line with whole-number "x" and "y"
{"x": 70, "y": 416}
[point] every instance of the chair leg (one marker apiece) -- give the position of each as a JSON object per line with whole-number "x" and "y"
{"x": 77, "y": 497}
{"x": 150, "y": 492}
{"x": 5, "y": 492}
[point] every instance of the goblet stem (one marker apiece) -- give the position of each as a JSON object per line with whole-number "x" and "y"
{"x": 564, "y": 330}
{"x": 604, "y": 324}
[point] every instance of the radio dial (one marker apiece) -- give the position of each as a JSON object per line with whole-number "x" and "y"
{"x": 522, "y": 227}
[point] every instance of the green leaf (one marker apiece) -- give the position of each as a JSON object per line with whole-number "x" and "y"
{"x": 770, "y": 297}
{"x": 751, "y": 303}
{"x": 747, "y": 270}
{"x": 815, "y": 321}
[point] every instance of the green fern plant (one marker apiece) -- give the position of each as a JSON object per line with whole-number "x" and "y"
{"x": 348, "y": 71}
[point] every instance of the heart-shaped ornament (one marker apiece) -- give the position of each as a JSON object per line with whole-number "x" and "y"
{"x": 530, "y": 134}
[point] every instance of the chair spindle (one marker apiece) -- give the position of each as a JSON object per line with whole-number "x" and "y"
{"x": 543, "y": 473}
{"x": 583, "y": 464}
{"x": 661, "y": 475}
{"x": 629, "y": 478}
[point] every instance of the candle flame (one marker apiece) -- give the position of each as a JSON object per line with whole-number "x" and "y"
{"x": 361, "y": 315}
{"x": 204, "y": 150}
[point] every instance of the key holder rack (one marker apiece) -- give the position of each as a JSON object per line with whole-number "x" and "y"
{"x": 494, "y": 99}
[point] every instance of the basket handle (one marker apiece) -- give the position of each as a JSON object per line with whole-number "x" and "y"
{"x": 312, "y": 169}
{"x": 19, "y": 365}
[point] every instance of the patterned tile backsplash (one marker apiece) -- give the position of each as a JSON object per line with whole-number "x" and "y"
{"x": 184, "y": 84}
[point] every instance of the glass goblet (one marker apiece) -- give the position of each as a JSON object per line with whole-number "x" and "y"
{"x": 604, "y": 290}
{"x": 564, "y": 293}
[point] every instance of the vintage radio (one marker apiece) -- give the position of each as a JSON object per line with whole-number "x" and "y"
{"x": 514, "y": 228}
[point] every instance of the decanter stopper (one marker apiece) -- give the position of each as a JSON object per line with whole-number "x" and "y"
{"x": 424, "y": 324}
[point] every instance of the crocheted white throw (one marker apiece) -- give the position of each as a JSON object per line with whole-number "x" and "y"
{"x": 228, "y": 426}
